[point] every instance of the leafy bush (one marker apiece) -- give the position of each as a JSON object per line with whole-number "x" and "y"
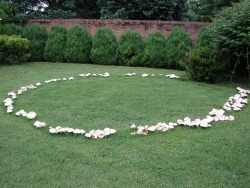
{"x": 54, "y": 48}
{"x": 78, "y": 45}
{"x": 130, "y": 49}
{"x": 231, "y": 35}
{"x": 204, "y": 37}
{"x": 202, "y": 65}
{"x": 37, "y": 36}
{"x": 11, "y": 29}
{"x": 155, "y": 51}
{"x": 13, "y": 50}
{"x": 104, "y": 48}
{"x": 178, "y": 45}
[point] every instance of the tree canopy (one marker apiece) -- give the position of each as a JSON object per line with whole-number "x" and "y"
{"x": 205, "y": 10}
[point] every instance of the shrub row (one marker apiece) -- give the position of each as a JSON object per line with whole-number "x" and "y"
{"x": 77, "y": 46}
{"x": 13, "y": 50}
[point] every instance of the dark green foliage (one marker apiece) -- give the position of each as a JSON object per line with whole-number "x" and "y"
{"x": 104, "y": 47}
{"x": 70, "y": 9}
{"x": 37, "y": 36}
{"x": 178, "y": 45}
{"x": 204, "y": 37}
{"x": 231, "y": 36}
{"x": 55, "y": 45}
{"x": 13, "y": 12}
{"x": 155, "y": 51}
{"x": 78, "y": 45}
{"x": 205, "y": 10}
{"x": 12, "y": 29}
{"x": 130, "y": 50}
{"x": 203, "y": 65}
{"x": 144, "y": 10}
{"x": 13, "y": 50}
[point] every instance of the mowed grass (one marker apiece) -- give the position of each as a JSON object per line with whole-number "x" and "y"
{"x": 183, "y": 157}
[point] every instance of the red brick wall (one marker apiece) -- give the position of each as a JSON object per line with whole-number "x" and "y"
{"x": 119, "y": 26}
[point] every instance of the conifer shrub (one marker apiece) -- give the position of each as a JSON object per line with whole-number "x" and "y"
{"x": 130, "y": 48}
{"x": 177, "y": 46}
{"x": 204, "y": 37}
{"x": 104, "y": 47}
{"x": 11, "y": 29}
{"x": 13, "y": 50}
{"x": 155, "y": 51}
{"x": 203, "y": 65}
{"x": 37, "y": 36}
{"x": 78, "y": 45}
{"x": 54, "y": 48}
{"x": 231, "y": 37}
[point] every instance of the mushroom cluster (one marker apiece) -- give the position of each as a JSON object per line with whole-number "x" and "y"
{"x": 29, "y": 115}
{"x": 237, "y": 101}
{"x": 130, "y": 74}
{"x": 172, "y": 76}
{"x": 39, "y": 124}
{"x": 94, "y": 134}
{"x": 105, "y": 75}
{"x": 60, "y": 130}
{"x": 8, "y": 103}
{"x": 58, "y": 79}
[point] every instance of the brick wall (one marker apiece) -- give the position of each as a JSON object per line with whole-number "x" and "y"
{"x": 119, "y": 26}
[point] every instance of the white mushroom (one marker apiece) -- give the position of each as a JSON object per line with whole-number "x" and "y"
{"x": 31, "y": 115}
{"x": 133, "y": 126}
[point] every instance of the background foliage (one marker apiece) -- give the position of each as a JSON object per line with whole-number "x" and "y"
{"x": 11, "y": 29}
{"x": 37, "y": 36}
{"x": 155, "y": 51}
{"x": 78, "y": 45}
{"x": 146, "y": 10}
{"x": 231, "y": 36}
{"x": 13, "y": 50}
{"x": 54, "y": 48}
{"x": 206, "y": 10}
{"x": 130, "y": 49}
{"x": 178, "y": 45}
{"x": 104, "y": 47}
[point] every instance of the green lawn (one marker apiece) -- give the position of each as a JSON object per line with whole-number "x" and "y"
{"x": 183, "y": 157}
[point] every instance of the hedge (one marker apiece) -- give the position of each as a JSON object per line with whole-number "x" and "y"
{"x": 155, "y": 51}
{"x": 13, "y": 50}
{"x": 55, "y": 45}
{"x": 130, "y": 50}
{"x": 37, "y": 36}
{"x": 78, "y": 45}
{"x": 104, "y": 47}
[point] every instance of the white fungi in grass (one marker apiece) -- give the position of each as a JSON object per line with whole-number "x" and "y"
{"x": 31, "y": 115}
{"x": 144, "y": 75}
{"x": 230, "y": 118}
{"x": 39, "y": 124}
{"x": 106, "y": 74}
{"x": 172, "y": 76}
{"x": 180, "y": 122}
{"x": 52, "y": 130}
{"x": 142, "y": 130}
{"x": 8, "y": 103}
{"x": 128, "y": 74}
{"x": 204, "y": 124}
{"x": 71, "y": 78}
{"x": 38, "y": 84}
{"x": 133, "y": 126}
{"x": 9, "y": 111}
{"x": 100, "y": 133}
{"x": 21, "y": 113}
